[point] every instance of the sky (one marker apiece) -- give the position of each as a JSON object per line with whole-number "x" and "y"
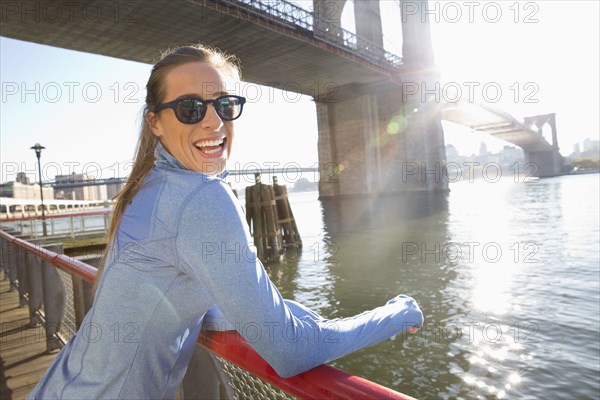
{"x": 527, "y": 58}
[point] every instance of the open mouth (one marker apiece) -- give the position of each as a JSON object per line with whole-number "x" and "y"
{"x": 211, "y": 147}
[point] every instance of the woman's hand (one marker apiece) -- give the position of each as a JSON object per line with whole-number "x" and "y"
{"x": 412, "y": 330}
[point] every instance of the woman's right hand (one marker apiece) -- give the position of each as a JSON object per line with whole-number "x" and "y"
{"x": 412, "y": 330}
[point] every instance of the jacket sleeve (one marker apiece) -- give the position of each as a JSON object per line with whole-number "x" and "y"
{"x": 214, "y": 245}
{"x": 214, "y": 320}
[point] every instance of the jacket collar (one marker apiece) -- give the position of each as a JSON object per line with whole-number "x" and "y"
{"x": 164, "y": 159}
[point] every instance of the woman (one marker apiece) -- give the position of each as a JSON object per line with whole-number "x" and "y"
{"x": 180, "y": 247}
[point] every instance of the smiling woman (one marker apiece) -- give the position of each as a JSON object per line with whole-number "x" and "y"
{"x": 161, "y": 276}
{"x": 199, "y": 136}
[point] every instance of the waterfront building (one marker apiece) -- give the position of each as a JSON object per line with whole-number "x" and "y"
{"x": 20, "y": 190}
{"x": 84, "y": 191}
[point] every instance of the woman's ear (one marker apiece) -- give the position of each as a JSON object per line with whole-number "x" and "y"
{"x": 152, "y": 120}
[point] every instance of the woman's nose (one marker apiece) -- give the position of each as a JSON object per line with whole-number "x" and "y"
{"x": 211, "y": 120}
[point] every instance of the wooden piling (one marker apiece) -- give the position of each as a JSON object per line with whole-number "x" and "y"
{"x": 285, "y": 217}
{"x": 261, "y": 215}
{"x": 271, "y": 220}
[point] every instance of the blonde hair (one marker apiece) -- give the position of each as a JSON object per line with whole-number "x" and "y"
{"x": 155, "y": 94}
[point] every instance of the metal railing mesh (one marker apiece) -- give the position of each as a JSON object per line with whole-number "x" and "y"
{"x": 69, "y": 324}
{"x": 246, "y": 386}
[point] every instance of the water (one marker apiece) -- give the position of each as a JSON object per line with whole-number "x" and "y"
{"x": 507, "y": 274}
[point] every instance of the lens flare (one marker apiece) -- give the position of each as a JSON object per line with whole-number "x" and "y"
{"x": 397, "y": 125}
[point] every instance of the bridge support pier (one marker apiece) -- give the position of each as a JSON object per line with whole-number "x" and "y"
{"x": 547, "y": 163}
{"x": 378, "y": 140}
{"x": 384, "y": 137}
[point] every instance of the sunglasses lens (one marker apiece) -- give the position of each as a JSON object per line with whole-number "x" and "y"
{"x": 229, "y": 108}
{"x": 190, "y": 111}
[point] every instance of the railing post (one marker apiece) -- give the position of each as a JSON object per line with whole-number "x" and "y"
{"x": 21, "y": 275}
{"x": 82, "y": 299}
{"x": 205, "y": 377}
{"x": 88, "y": 296}
{"x": 71, "y": 227}
{"x": 12, "y": 265}
{"x": 4, "y": 259}
{"x": 54, "y": 299}
{"x": 36, "y": 291}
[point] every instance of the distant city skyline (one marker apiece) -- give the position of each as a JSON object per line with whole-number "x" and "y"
{"x": 582, "y": 146}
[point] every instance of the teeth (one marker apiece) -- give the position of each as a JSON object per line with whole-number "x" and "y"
{"x": 206, "y": 143}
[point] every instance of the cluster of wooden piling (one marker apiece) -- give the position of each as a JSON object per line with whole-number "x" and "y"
{"x": 271, "y": 220}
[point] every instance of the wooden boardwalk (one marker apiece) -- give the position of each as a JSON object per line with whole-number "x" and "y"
{"x": 23, "y": 356}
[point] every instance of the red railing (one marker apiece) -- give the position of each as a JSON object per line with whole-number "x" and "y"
{"x": 66, "y": 263}
{"x": 323, "y": 382}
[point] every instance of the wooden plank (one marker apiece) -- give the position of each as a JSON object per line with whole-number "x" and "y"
{"x": 23, "y": 356}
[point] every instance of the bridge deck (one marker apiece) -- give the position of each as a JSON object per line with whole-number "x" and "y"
{"x": 274, "y": 50}
{"x": 23, "y": 356}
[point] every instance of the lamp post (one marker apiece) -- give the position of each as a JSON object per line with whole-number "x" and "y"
{"x": 38, "y": 153}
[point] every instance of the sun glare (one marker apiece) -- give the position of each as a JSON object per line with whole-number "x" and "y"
{"x": 514, "y": 378}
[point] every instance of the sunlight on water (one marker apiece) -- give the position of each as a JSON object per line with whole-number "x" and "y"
{"x": 491, "y": 291}
{"x": 493, "y": 351}
{"x": 505, "y": 274}
{"x": 514, "y": 378}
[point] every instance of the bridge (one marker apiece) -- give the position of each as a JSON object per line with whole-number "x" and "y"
{"x": 368, "y": 127}
{"x": 527, "y": 134}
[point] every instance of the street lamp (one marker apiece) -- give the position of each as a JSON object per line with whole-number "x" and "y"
{"x": 38, "y": 152}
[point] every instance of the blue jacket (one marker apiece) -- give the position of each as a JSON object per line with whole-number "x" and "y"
{"x": 183, "y": 249}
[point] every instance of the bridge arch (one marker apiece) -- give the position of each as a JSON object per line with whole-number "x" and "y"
{"x": 526, "y": 134}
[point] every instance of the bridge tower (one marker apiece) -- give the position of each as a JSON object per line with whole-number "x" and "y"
{"x": 376, "y": 138}
{"x": 548, "y": 162}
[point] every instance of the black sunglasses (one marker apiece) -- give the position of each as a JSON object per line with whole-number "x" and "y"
{"x": 191, "y": 110}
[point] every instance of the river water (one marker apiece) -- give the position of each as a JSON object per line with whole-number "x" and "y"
{"x": 507, "y": 274}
